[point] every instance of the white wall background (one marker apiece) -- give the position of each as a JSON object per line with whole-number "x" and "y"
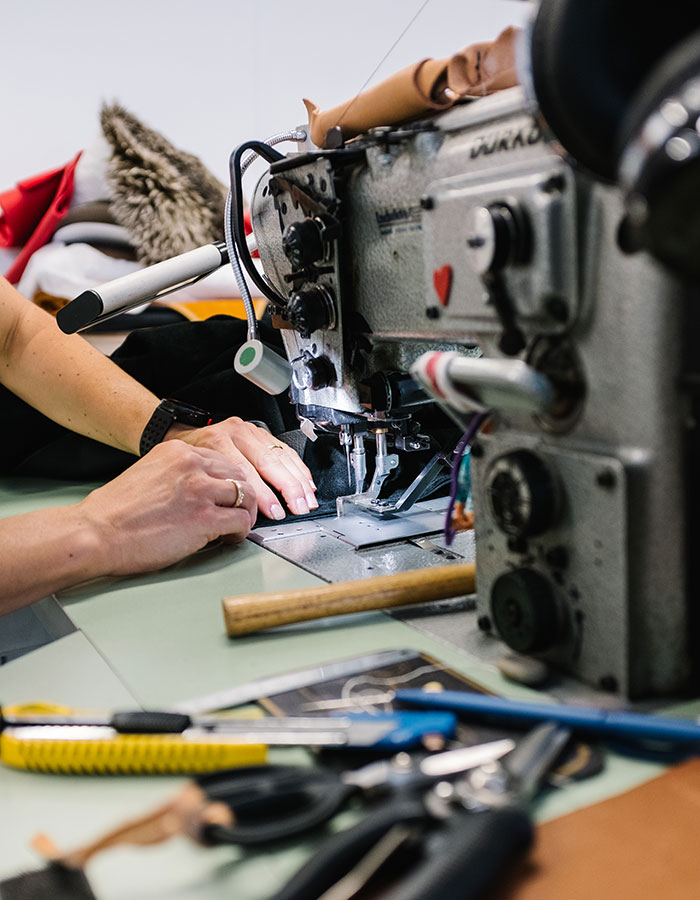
{"x": 207, "y": 74}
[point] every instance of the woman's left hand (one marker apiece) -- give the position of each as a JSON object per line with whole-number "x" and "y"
{"x": 264, "y": 460}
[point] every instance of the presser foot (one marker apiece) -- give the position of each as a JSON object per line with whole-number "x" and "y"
{"x": 369, "y": 502}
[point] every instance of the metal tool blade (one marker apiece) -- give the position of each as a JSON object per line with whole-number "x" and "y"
{"x": 464, "y": 758}
{"x": 534, "y": 756}
{"x": 438, "y": 765}
{"x": 289, "y": 681}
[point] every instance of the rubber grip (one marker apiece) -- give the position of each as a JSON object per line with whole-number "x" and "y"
{"x": 340, "y": 853}
{"x": 126, "y": 754}
{"x": 277, "y": 807}
{"x": 470, "y": 852}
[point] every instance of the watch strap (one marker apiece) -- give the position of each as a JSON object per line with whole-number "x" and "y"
{"x": 165, "y": 414}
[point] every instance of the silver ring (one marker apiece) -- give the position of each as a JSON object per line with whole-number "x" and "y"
{"x": 275, "y": 447}
{"x": 240, "y": 493}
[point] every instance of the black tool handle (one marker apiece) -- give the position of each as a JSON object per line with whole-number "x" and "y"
{"x": 150, "y": 722}
{"x": 470, "y": 851}
{"x": 340, "y": 853}
{"x": 272, "y": 803}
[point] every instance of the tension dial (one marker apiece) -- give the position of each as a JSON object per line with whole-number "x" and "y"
{"x": 525, "y": 611}
{"x": 522, "y": 493}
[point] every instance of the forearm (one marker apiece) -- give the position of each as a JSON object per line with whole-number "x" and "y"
{"x": 67, "y": 379}
{"x": 167, "y": 505}
{"x": 46, "y": 551}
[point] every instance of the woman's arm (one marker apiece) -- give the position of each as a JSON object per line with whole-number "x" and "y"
{"x": 66, "y": 378}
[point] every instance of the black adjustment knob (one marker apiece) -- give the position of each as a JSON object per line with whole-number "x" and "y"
{"x": 496, "y": 234}
{"x": 302, "y": 243}
{"x": 522, "y": 493}
{"x": 305, "y": 242}
{"x": 525, "y": 611}
{"x": 313, "y": 373}
{"x": 311, "y": 309}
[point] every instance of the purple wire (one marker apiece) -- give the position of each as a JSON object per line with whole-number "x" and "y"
{"x": 464, "y": 442}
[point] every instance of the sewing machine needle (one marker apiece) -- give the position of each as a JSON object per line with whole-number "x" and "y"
{"x": 347, "y": 459}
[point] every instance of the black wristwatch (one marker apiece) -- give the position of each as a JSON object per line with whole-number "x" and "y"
{"x": 167, "y": 412}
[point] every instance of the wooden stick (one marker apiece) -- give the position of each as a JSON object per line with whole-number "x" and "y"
{"x": 254, "y": 612}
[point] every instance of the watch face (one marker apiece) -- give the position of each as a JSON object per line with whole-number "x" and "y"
{"x": 183, "y": 412}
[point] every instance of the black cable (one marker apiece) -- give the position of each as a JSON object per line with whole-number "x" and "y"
{"x": 237, "y": 218}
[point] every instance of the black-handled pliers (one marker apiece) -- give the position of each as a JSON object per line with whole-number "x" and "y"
{"x": 469, "y": 830}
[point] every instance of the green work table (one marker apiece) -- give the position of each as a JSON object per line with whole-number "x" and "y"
{"x": 151, "y": 641}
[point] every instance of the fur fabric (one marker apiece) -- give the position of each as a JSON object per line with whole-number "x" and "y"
{"x": 166, "y": 199}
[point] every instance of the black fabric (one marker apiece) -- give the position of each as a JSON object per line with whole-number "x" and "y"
{"x": 193, "y": 362}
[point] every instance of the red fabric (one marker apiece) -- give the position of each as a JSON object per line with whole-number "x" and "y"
{"x": 248, "y": 227}
{"x": 32, "y": 210}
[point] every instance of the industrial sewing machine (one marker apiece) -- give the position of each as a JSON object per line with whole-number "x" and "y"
{"x": 468, "y": 230}
{"x": 464, "y": 258}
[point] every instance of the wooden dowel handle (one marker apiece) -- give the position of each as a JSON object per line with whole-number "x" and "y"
{"x": 254, "y": 612}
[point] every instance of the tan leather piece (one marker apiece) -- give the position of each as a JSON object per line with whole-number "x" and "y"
{"x": 484, "y": 68}
{"x": 423, "y": 87}
{"x": 643, "y": 844}
{"x": 186, "y": 814}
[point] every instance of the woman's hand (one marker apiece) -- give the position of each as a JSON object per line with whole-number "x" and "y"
{"x": 166, "y": 506}
{"x": 262, "y": 459}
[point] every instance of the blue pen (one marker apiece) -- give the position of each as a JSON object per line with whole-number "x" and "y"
{"x": 626, "y": 725}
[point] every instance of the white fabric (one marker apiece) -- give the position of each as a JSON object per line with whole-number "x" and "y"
{"x": 66, "y": 270}
{"x": 7, "y": 257}
{"x": 90, "y": 180}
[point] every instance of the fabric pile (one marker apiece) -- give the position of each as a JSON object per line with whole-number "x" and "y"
{"x": 129, "y": 199}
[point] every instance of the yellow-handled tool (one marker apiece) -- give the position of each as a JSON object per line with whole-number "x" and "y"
{"x": 254, "y": 612}
{"x": 46, "y": 737}
{"x": 123, "y": 754}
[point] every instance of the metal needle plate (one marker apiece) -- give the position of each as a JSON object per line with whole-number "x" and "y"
{"x": 359, "y": 530}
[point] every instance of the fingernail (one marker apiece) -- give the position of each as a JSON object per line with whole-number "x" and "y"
{"x": 313, "y": 485}
{"x": 312, "y": 501}
{"x": 300, "y": 506}
{"x": 277, "y": 511}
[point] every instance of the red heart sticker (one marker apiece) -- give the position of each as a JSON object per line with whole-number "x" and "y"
{"x": 442, "y": 281}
